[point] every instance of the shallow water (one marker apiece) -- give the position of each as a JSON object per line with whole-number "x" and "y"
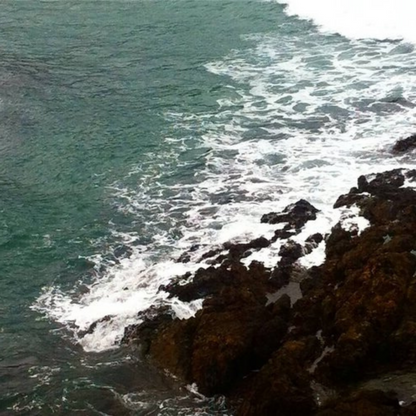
{"x": 146, "y": 127}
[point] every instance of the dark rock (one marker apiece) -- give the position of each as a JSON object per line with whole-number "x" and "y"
{"x": 284, "y": 270}
{"x": 237, "y": 250}
{"x": 155, "y": 319}
{"x": 356, "y": 319}
{"x": 312, "y": 242}
{"x": 411, "y": 174}
{"x": 386, "y": 180}
{"x": 123, "y": 251}
{"x": 296, "y": 215}
{"x": 290, "y": 252}
{"x": 94, "y": 325}
{"x": 382, "y": 182}
{"x": 283, "y": 234}
{"x": 363, "y": 403}
{"x": 184, "y": 258}
{"x": 205, "y": 282}
{"x": 315, "y": 238}
{"x": 350, "y": 199}
{"x": 283, "y": 386}
{"x": 405, "y": 145}
{"x": 384, "y": 185}
{"x": 268, "y": 338}
{"x": 313, "y": 280}
{"x": 209, "y": 254}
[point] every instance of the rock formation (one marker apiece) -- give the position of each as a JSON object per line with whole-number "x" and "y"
{"x": 355, "y": 322}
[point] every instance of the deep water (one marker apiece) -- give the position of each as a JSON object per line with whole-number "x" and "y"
{"x": 134, "y": 130}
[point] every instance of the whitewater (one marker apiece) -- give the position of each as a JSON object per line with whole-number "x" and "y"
{"x": 308, "y": 109}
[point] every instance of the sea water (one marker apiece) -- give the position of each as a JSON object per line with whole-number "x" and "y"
{"x": 133, "y": 131}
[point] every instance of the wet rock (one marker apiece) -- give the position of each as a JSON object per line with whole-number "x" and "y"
{"x": 382, "y": 185}
{"x": 296, "y": 215}
{"x": 268, "y": 338}
{"x": 210, "y": 281}
{"x": 123, "y": 251}
{"x": 94, "y": 325}
{"x": 405, "y": 145}
{"x": 283, "y": 386}
{"x": 384, "y": 182}
{"x": 283, "y": 234}
{"x": 312, "y": 242}
{"x": 363, "y": 403}
{"x": 411, "y": 174}
{"x": 155, "y": 319}
{"x": 206, "y": 282}
{"x": 291, "y": 251}
{"x": 285, "y": 269}
{"x": 217, "y": 347}
{"x": 315, "y": 238}
{"x": 356, "y": 319}
{"x": 171, "y": 346}
{"x": 237, "y": 250}
{"x": 209, "y": 254}
{"x": 350, "y": 199}
{"x": 184, "y": 258}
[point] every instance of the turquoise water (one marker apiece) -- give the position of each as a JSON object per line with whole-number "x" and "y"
{"x": 149, "y": 127}
{"x": 84, "y": 89}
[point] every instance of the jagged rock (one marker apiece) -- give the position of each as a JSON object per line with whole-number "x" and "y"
{"x": 237, "y": 250}
{"x": 296, "y": 215}
{"x": 357, "y": 316}
{"x": 94, "y": 325}
{"x": 283, "y": 386}
{"x": 313, "y": 280}
{"x": 270, "y": 334}
{"x": 216, "y": 348}
{"x": 186, "y": 256}
{"x": 155, "y": 319}
{"x": 282, "y": 273}
{"x": 209, "y": 254}
{"x": 210, "y": 281}
{"x": 291, "y": 251}
{"x": 315, "y": 238}
{"x": 405, "y": 145}
{"x": 283, "y": 234}
{"x": 206, "y": 282}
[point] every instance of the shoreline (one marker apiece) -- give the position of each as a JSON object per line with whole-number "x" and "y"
{"x": 295, "y": 340}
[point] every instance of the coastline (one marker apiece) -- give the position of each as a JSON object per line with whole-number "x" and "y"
{"x": 295, "y": 340}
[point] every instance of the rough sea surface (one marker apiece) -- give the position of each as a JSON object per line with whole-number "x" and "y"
{"x": 133, "y": 130}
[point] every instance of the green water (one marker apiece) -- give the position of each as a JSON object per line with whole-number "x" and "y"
{"x": 85, "y": 89}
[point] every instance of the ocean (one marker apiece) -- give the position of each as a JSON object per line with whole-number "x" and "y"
{"x": 135, "y": 130}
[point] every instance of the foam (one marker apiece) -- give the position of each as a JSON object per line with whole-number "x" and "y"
{"x": 351, "y": 220}
{"x": 359, "y": 19}
{"x": 304, "y": 116}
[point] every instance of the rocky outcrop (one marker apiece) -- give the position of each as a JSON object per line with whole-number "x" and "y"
{"x": 405, "y": 145}
{"x": 355, "y": 321}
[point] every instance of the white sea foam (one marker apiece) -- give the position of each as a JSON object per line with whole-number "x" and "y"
{"x": 304, "y": 115}
{"x": 351, "y": 220}
{"x": 384, "y": 19}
